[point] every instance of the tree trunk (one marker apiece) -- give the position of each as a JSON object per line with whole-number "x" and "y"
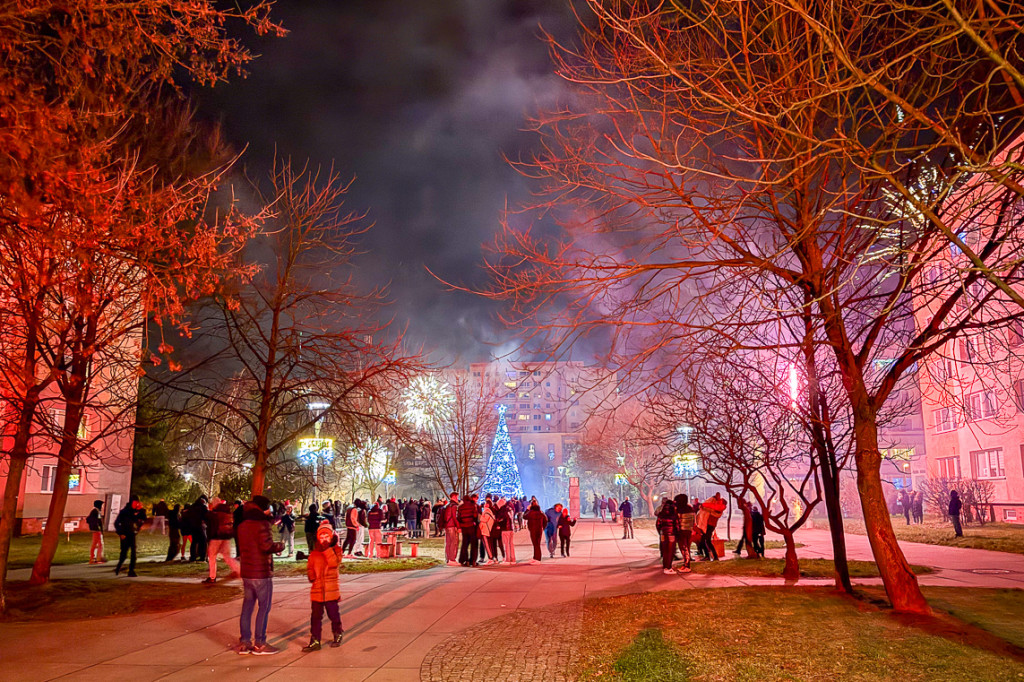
{"x": 791, "y": 571}
{"x": 900, "y": 582}
{"x": 259, "y": 479}
{"x": 15, "y": 471}
{"x": 59, "y": 499}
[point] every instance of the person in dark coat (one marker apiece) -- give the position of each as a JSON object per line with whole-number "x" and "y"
{"x": 236, "y": 518}
{"x": 412, "y": 515}
{"x": 468, "y": 517}
{"x": 627, "y": 518}
{"x": 313, "y": 520}
{"x": 757, "y": 529}
{"x": 127, "y": 524}
{"x": 257, "y": 567}
{"x": 174, "y": 533}
{"x": 197, "y": 524}
{"x": 565, "y": 525}
{"x": 393, "y": 513}
{"x": 536, "y": 520}
{"x": 666, "y": 525}
{"x": 95, "y": 522}
{"x": 955, "y": 507}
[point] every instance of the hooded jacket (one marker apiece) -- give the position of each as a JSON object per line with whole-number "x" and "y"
{"x": 256, "y": 546}
{"x": 486, "y": 521}
{"x": 322, "y": 571}
{"x": 535, "y": 520}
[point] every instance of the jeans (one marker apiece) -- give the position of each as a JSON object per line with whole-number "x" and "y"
{"x": 222, "y": 547}
{"x": 707, "y": 543}
{"x": 288, "y": 540}
{"x": 256, "y": 591}
{"x": 758, "y": 543}
{"x": 96, "y": 549}
{"x": 348, "y": 547}
{"x": 957, "y": 528}
{"x": 552, "y": 544}
{"x": 683, "y": 540}
{"x": 508, "y": 539}
{"x": 316, "y": 619}
{"x": 451, "y": 544}
{"x": 627, "y": 526}
{"x": 410, "y": 527}
{"x": 565, "y": 544}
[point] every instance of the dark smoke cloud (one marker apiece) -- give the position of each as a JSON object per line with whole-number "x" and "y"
{"x": 419, "y": 101}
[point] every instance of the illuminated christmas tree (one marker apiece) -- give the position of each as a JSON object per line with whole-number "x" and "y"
{"x": 502, "y": 477}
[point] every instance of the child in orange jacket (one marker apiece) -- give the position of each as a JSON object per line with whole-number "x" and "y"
{"x": 324, "y": 590}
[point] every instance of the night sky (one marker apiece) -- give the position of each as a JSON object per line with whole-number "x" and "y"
{"x": 419, "y": 101}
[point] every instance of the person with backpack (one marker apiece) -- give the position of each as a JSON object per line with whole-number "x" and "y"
{"x": 551, "y": 530}
{"x": 324, "y": 589}
{"x": 221, "y": 531}
{"x": 95, "y": 522}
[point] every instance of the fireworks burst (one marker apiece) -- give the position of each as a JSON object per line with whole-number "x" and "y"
{"x": 426, "y": 400}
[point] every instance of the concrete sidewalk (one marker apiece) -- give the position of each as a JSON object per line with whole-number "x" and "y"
{"x": 393, "y": 620}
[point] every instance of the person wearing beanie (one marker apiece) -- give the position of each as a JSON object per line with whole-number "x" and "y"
{"x": 95, "y": 522}
{"x": 324, "y": 589}
{"x": 257, "y": 567}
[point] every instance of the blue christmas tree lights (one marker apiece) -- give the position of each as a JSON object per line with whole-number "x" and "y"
{"x": 502, "y": 477}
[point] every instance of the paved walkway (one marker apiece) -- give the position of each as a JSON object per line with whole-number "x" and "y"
{"x": 412, "y": 625}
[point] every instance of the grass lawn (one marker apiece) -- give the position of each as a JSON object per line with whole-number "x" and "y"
{"x": 24, "y": 549}
{"x": 772, "y": 568}
{"x": 799, "y": 634}
{"x": 83, "y": 599}
{"x": 1000, "y": 537}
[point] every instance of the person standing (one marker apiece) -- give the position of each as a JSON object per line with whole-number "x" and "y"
{"x": 684, "y": 532}
{"x": 597, "y": 505}
{"x": 393, "y": 513}
{"x": 487, "y": 521}
{"x": 666, "y": 525}
{"x": 627, "y": 518}
{"x": 604, "y": 509}
{"x": 374, "y": 521}
{"x": 450, "y": 525}
{"x": 918, "y": 503}
{"x": 351, "y": 524}
{"x": 159, "y": 517}
{"x": 715, "y": 508}
{"x": 757, "y": 530}
{"x": 221, "y": 525}
{"x": 313, "y": 520}
{"x": 325, "y": 588}
{"x": 197, "y": 524}
{"x": 613, "y": 508}
{"x": 361, "y": 527}
{"x": 236, "y": 518}
{"x": 127, "y": 524}
{"x": 412, "y": 513}
{"x": 745, "y": 536}
{"x": 505, "y": 519}
{"x": 551, "y": 530}
{"x": 905, "y": 504}
{"x": 469, "y": 517}
{"x": 424, "y": 518}
{"x": 536, "y": 520}
{"x": 287, "y": 531}
{"x": 95, "y": 522}
{"x": 174, "y": 533}
{"x": 257, "y": 563}
{"x": 955, "y": 507}
{"x": 565, "y": 525}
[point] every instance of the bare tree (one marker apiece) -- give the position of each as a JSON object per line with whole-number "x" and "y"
{"x": 705, "y": 144}
{"x": 299, "y": 336}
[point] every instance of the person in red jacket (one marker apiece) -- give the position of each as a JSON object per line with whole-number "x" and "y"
{"x": 324, "y": 590}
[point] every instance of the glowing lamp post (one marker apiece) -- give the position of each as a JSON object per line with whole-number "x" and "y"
{"x": 620, "y": 480}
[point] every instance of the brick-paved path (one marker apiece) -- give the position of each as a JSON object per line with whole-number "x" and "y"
{"x": 539, "y": 644}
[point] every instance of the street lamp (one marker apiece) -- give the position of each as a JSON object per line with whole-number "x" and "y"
{"x": 620, "y": 479}
{"x": 389, "y": 481}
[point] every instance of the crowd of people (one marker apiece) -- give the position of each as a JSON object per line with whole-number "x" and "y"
{"x": 608, "y": 506}
{"x": 682, "y": 524}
